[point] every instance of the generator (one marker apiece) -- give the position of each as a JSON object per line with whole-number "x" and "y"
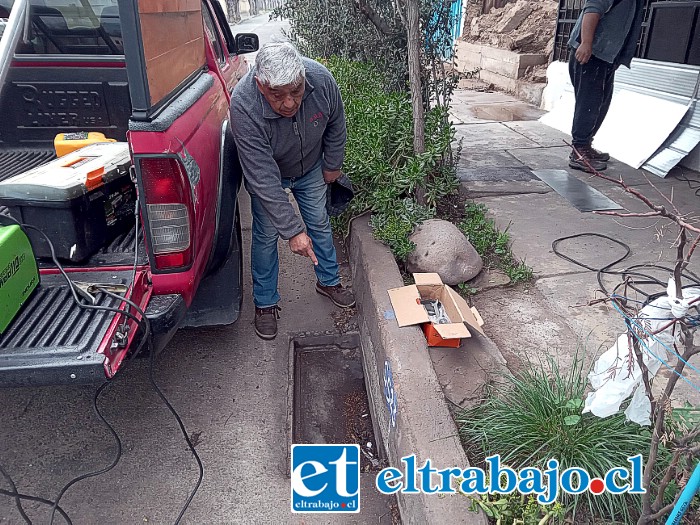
{"x": 19, "y": 272}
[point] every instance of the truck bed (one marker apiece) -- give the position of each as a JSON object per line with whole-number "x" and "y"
{"x": 52, "y": 334}
{"x": 16, "y": 161}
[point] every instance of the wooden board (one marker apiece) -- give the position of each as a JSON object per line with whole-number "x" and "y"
{"x": 173, "y": 43}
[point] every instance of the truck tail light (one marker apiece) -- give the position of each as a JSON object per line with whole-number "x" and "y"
{"x": 169, "y": 209}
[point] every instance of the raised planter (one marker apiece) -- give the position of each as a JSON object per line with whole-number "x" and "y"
{"x": 408, "y": 403}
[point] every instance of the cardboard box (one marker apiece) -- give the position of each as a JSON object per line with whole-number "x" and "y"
{"x": 409, "y": 310}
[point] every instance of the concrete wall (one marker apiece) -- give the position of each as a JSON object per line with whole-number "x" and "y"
{"x": 502, "y": 68}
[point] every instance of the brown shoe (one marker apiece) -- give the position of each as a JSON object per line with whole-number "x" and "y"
{"x": 600, "y": 155}
{"x": 585, "y": 160}
{"x": 341, "y": 297}
{"x": 266, "y": 322}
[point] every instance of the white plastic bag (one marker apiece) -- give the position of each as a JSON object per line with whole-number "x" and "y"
{"x": 616, "y": 374}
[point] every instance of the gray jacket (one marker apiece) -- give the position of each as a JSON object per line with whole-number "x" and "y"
{"x": 618, "y": 31}
{"x": 272, "y": 147}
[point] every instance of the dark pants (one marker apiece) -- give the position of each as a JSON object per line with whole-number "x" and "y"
{"x": 593, "y": 86}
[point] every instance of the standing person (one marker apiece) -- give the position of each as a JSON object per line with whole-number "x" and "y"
{"x": 289, "y": 127}
{"x": 604, "y": 37}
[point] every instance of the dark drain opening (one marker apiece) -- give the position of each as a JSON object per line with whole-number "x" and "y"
{"x": 330, "y": 403}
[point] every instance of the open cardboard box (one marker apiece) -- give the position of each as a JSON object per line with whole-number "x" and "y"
{"x": 409, "y": 310}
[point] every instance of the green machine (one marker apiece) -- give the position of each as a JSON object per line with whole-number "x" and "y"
{"x": 19, "y": 273}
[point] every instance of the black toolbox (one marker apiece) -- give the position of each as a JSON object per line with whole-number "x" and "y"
{"x": 81, "y": 201}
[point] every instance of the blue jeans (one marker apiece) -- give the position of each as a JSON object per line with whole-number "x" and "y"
{"x": 310, "y": 194}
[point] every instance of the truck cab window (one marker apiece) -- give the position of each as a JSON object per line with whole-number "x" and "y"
{"x": 212, "y": 34}
{"x": 69, "y": 27}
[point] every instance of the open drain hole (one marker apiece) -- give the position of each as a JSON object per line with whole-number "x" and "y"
{"x": 330, "y": 403}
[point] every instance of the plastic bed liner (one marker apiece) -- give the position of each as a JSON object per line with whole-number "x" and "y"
{"x": 53, "y": 339}
{"x": 16, "y": 161}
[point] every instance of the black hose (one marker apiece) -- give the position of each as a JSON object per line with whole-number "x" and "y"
{"x": 147, "y": 338}
{"x": 625, "y": 273}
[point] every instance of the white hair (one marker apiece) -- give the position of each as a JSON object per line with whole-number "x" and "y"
{"x": 279, "y": 64}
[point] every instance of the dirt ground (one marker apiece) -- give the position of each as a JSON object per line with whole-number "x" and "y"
{"x": 535, "y": 34}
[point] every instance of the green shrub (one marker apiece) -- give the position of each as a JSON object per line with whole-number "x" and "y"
{"x": 379, "y": 155}
{"x": 493, "y": 245}
{"x": 516, "y": 509}
{"x": 536, "y": 416}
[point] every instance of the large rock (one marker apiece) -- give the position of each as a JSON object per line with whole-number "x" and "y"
{"x": 443, "y": 249}
{"x": 513, "y": 17}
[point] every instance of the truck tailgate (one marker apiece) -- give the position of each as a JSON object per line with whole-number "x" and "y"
{"x": 53, "y": 340}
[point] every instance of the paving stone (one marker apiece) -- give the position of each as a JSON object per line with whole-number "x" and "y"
{"x": 539, "y": 133}
{"x": 497, "y": 174}
{"x": 489, "y": 137}
{"x": 479, "y": 189}
{"x": 480, "y": 158}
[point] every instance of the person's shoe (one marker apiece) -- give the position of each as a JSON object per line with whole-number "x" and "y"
{"x": 266, "y": 322}
{"x": 593, "y": 153}
{"x": 341, "y": 297}
{"x": 585, "y": 160}
{"x": 599, "y": 155}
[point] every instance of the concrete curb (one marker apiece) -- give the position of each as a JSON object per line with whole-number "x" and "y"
{"x": 396, "y": 360}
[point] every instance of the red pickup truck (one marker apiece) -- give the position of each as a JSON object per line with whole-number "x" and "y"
{"x": 157, "y": 74}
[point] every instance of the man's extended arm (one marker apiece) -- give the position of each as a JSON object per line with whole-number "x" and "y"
{"x": 335, "y": 136}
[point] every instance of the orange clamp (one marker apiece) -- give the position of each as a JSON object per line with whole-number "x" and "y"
{"x": 94, "y": 178}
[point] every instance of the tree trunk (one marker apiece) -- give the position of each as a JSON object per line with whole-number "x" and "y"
{"x": 253, "y": 7}
{"x": 414, "y": 73}
{"x": 234, "y": 11}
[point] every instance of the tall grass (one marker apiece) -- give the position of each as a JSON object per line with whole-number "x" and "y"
{"x": 536, "y": 416}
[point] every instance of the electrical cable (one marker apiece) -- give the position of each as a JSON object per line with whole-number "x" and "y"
{"x": 690, "y": 182}
{"x": 190, "y": 445}
{"x": 147, "y": 337}
{"x": 626, "y": 273}
{"x": 170, "y": 407}
{"x": 38, "y": 500}
{"x": 101, "y": 388}
{"x": 18, "y": 501}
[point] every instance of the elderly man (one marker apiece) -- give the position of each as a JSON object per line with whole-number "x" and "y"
{"x": 289, "y": 127}
{"x": 604, "y": 37}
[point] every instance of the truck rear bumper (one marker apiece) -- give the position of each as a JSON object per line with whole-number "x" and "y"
{"x": 165, "y": 313}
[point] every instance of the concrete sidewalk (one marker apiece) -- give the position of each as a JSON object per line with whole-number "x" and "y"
{"x": 502, "y": 143}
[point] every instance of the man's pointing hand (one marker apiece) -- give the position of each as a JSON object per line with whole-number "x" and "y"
{"x": 301, "y": 245}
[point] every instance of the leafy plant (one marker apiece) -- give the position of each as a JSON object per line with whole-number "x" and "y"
{"x": 394, "y": 227}
{"x": 326, "y": 28}
{"x": 466, "y": 290}
{"x": 536, "y": 416}
{"x": 492, "y": 244}
{"x": 516, "y": 509}
{"x": 379, "y": 155}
